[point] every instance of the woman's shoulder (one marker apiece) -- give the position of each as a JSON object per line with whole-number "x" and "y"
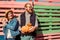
{"x": 15, "y": 19}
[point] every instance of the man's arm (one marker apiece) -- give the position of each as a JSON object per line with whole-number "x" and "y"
{"x": 34, "y": 27}
{"x": 19, "y": 19}
{"x": 36, "y": 23}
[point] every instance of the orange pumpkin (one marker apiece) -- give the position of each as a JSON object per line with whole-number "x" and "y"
{"x": 26, "y": 27}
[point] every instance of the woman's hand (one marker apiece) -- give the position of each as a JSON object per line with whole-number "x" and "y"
{"x": 4, "y": 21}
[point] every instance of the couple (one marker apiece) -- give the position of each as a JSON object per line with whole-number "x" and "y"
{"x": 12, "y": 26}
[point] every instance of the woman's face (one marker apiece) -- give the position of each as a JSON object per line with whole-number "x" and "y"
{"x": 10, "y": 15}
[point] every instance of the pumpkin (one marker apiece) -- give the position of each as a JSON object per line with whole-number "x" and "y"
{"x": 26, "y": 28}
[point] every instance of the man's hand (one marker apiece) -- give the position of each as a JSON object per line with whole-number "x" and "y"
{"x": 32, "y": 29}
{"x": 22, "y": 32}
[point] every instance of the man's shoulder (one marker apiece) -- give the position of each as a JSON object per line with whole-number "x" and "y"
{"x": 23, "y": 13}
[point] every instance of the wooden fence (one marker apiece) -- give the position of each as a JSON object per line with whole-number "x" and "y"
{"x": 48, "y": 15}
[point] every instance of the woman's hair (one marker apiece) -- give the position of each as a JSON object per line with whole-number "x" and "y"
{"x": 6, "y": 14}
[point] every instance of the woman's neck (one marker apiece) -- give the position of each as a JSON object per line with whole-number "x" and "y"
{"x": 10, "y": 19}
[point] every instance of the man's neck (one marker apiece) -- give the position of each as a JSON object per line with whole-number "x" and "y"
{"x": 27, "y": 12}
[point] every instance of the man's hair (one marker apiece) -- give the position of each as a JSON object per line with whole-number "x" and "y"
{"x": 27, "y": 4}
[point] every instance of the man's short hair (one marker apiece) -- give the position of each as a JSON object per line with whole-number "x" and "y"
{"x": 27, "y": 4}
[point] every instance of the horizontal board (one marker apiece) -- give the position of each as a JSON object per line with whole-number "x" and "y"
{"x": 13, "y": 4}
{"x": 1, "y": 28}
{"x": 1, "y": 33}
{"x": 2, "y": 25}
{"x": 41, "y": 20}
{"x": 51, "y": 37}
{"x": 49, "y": 23}
{"x": 47, "y": 7}
{"x": 38, "y": 35}
{"x": 14, "y": 14}
{"x": 46, "y": 4}
{"x": 38, "y": 10}
{"x": 47, "y": 27}
{"x": 43, "y": 28}
{"x": 12, "y": 10}
{"x": 48, "y": 36}
{"x": 52, "y": 0}
{"x": 48, "y": 18}
{"x": 38, "y": 14}
{"x": 47, "y": 31}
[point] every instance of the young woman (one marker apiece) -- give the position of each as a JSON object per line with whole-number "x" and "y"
{"x": 10, "y": 28}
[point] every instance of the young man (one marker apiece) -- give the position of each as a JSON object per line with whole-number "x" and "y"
{"x": 28, "y": 17}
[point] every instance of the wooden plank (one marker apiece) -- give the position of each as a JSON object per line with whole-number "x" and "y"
{"x": 50, "y": 24}
{"x": 18, "y": 10}
{"x": 56, "y": 39}
{"x": 47, "y": 7}
{"x": 46, "y": 4}
{"x": 57, "y": 27}
{"x": 50, "y": 37}
{"x": 12, "y": 10}
{"x": 52, "y": 0}
{"x": 48, "y": 31}
{"x": 43, "y": 28}
{"x": 38, "y": 14}
{"x": 38, "y": 10}
{"x": 48, "y": 19}
{"x": 1, "y": 25}
{"x": 38, "y": 35}
{"x": 46, "y": 35}
{"x": 0, "y": 19}
{"x": 1, "y": 33}
{"x": 14, "y": 14}
{"x": 2, "y": 14}
{"x": 13, "y": 4}
{"x": 1, "y": 28}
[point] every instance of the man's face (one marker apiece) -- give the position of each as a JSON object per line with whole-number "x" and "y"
{"x": 28, "y": 8}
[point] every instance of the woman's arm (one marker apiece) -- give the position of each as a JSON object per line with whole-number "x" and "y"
{"x": 14, "y": 25}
